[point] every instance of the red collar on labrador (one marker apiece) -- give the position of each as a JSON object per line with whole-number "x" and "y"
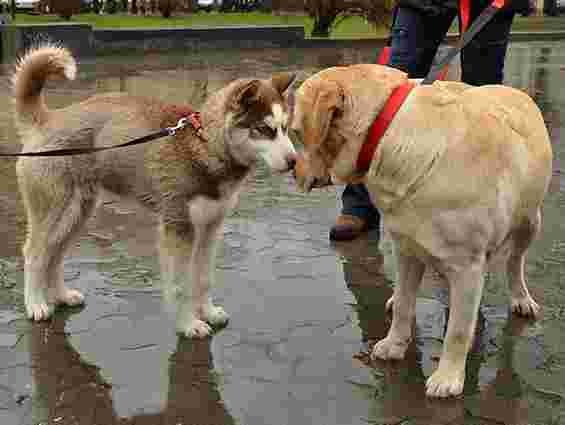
{"x": 381, "y": 123}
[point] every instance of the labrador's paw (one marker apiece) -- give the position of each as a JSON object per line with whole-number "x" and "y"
{"x": 445, "y": 383}
{"x": 389, "y": 304}
{"x": 389, "y": 349}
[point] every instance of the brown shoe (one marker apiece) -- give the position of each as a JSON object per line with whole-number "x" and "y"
{"x": 348, "y": 227}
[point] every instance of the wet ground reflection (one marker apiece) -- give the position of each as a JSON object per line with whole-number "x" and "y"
{"x": 69, "y": 390}
{"x": 494, "y": 390}
{"x": 303, "y": 311}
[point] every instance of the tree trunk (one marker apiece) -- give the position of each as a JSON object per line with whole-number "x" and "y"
{"x": 166, "y": 7}
{"x": 134, "y": 7}
{"x": 322, "y": 25}
{"x": 65, "y": 8}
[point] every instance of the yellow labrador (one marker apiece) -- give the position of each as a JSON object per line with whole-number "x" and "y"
{"x": 460, "y": 175}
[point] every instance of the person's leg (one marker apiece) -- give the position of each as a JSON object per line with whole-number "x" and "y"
{"x": 482, "y": 61}
{"x": 358, "y": 214}
{"x": 415, "y": 38}
{"x": 356, "y": 201}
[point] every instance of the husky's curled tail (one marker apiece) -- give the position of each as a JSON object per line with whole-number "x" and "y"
{"x": 33, "y": 69}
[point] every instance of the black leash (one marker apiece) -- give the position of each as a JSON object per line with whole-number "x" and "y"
{"x": 477, "y": 25}
{"x": 193, "y": 120}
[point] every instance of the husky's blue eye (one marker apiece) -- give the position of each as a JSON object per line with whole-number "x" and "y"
{"x": 265, "y": 130}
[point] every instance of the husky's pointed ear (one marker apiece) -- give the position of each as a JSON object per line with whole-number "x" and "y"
{"x": 282, "y": 80}
{"x": 245, "y": 95}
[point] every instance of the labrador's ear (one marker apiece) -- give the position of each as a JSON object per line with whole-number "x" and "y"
{"x": 328, "y": 99}
{"x": 282, "y": 80}
{"x": 244, "y": 96}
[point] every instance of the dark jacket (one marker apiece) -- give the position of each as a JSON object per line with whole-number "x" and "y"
{"x": 438, "y": 7}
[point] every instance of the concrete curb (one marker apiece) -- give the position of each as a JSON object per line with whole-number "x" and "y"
{"x": 86, "y": 42}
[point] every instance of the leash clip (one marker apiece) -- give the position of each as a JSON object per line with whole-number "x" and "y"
{"x": 182, "y": 123}
{"x": 193, "y": 119}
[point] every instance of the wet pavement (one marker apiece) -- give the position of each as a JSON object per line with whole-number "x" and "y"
{"x": 303, "y": 311}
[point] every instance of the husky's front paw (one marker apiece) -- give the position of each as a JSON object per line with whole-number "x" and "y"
{"x": 525, "y": 307}
{"x": 38, "y": 307}
{"x": 39, "y": 311}
{"x": 215, "y": 315}
{"x": 197, "y": 329}
{"x": 70, "y": 297}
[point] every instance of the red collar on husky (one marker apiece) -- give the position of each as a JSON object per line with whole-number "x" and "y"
{"x": 185, "y": 112}
{"x": 381, "y": 123}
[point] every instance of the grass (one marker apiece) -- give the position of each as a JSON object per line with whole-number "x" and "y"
{"x": 187, "y": 20}
{"x": 350, "y": 28}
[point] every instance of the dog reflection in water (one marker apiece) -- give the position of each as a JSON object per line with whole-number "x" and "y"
{"x": 68, "y": 390}
{"x": 400, "y": 393}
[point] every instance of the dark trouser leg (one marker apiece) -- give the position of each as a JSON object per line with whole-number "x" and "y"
{"x": 357, "y": 202}
{"x": 482, "y": 61}
{"x": 415, "y": 39}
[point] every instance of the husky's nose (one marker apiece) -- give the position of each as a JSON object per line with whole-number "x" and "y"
{"x": 291, "y": 161}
